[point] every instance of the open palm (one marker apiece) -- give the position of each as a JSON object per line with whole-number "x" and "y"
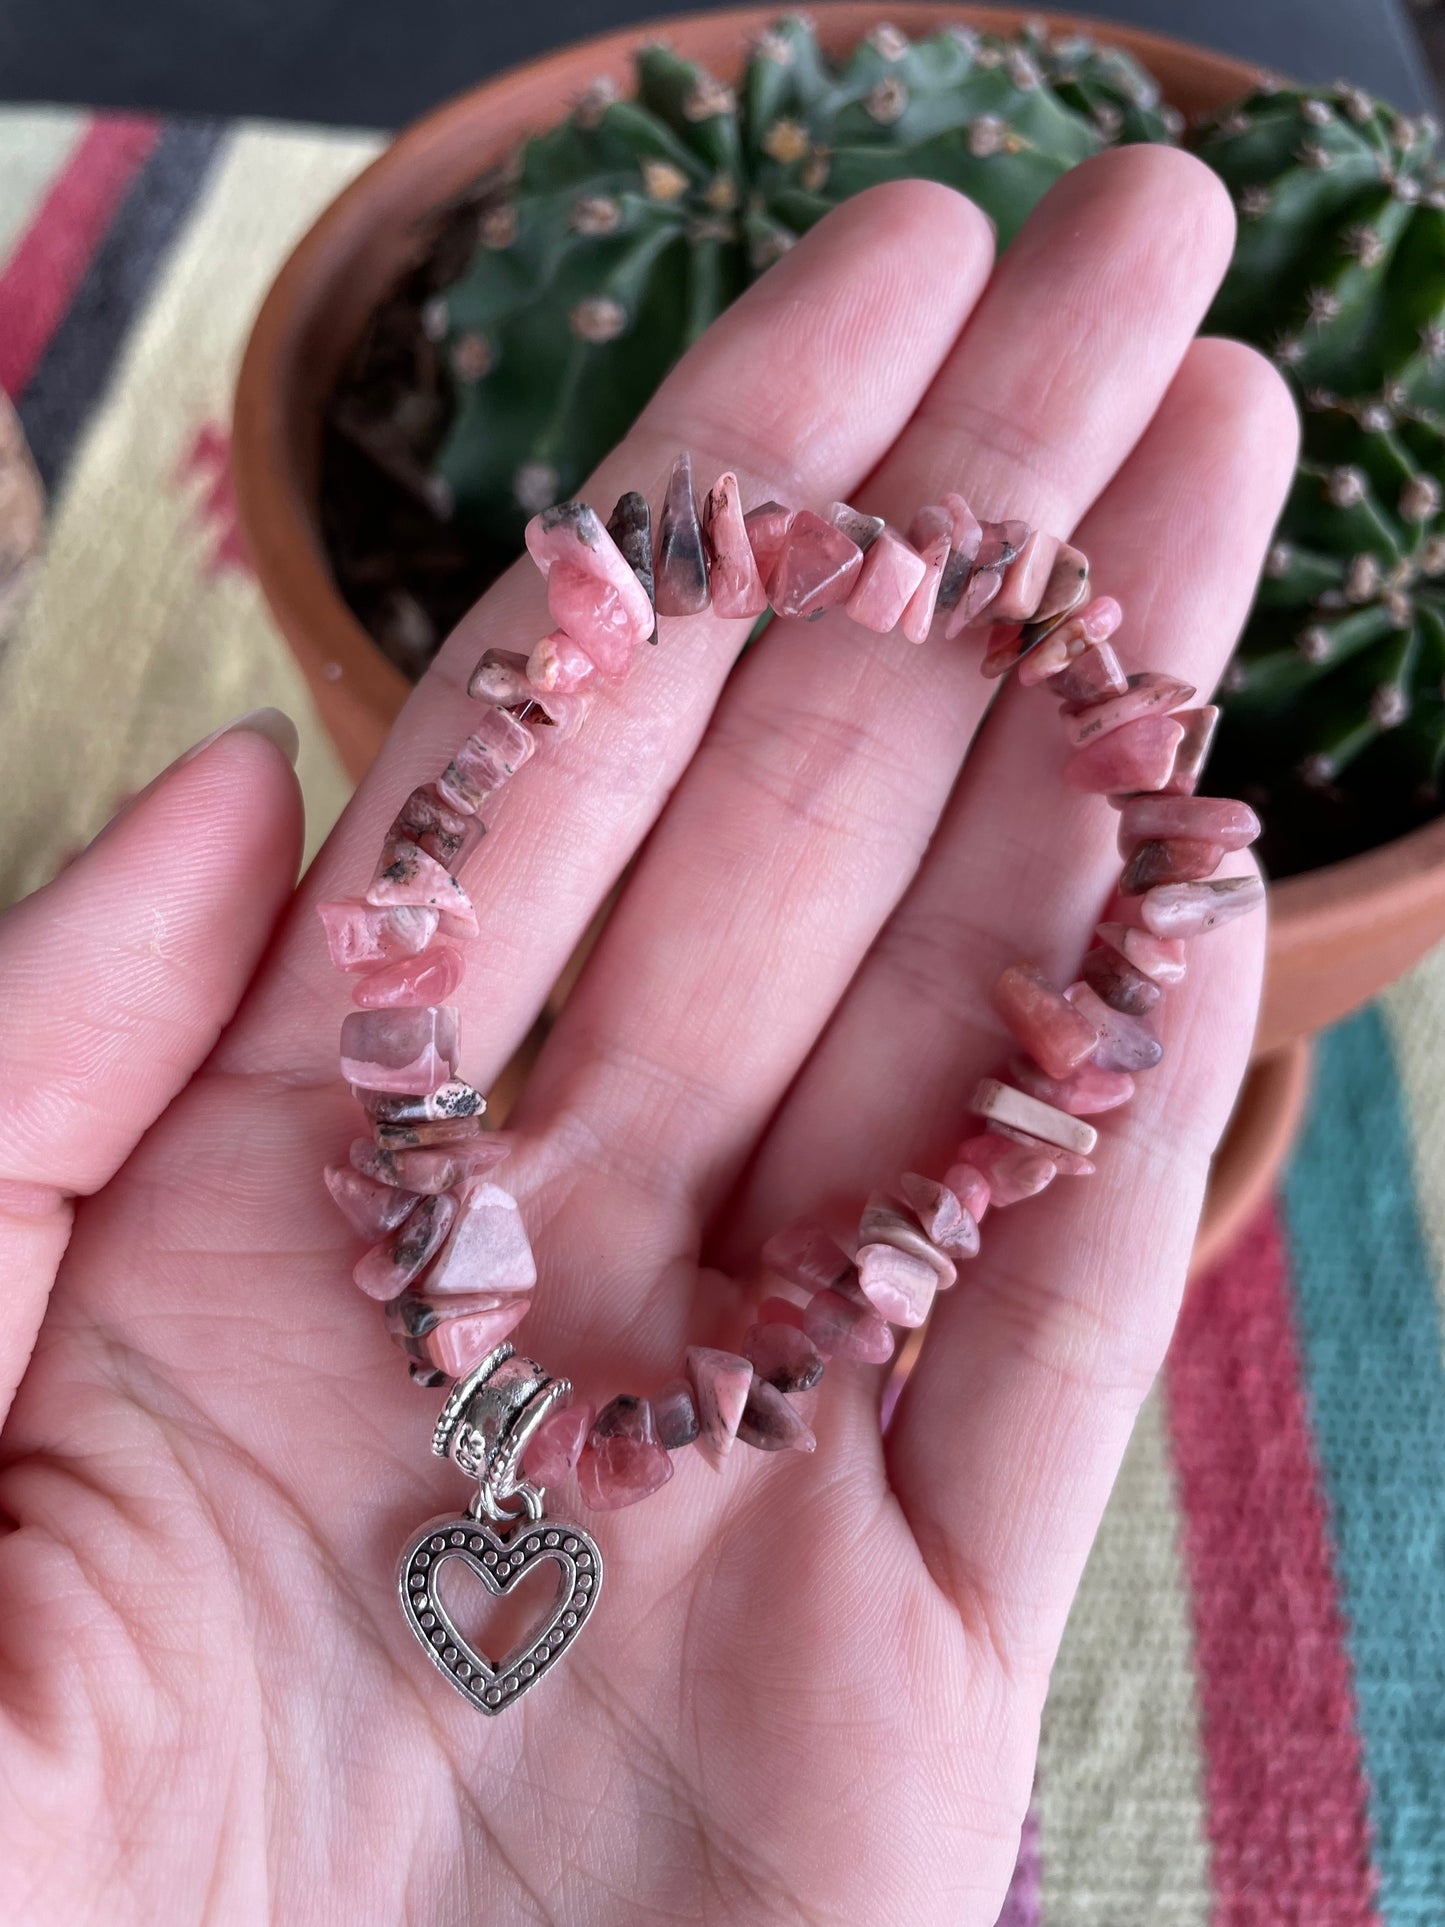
{"x": 812, "y": 1687}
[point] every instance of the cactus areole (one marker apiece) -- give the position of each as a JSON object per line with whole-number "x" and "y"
{"x": 556, "y": 295}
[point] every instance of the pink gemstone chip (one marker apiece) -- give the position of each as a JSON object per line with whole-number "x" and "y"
{"x": 618, "y": 1471}
{"x": 458, "y": 1343}
{"x": 1089, "y": 677}
{"x": 839, "y": 1328}
{"x": 969, "y": 1185}
{"x": 1193, "y": 751}
{"x": 388, "y": 1268}
{"x": 1189, "y": 909}
{"x": 428, "y": 979}
{"x": 399, "y": 1050}
{"x": 1026, "y": 578}
{"x": 488, "y": 1249}
{"x": 720, "y": 1382}
{"x": 361, "y": 935}
{"x": 1175, "y": 859}
{"x": 559, "y": 664}
{"x": 766, "y": 528}
{"x": 367, "y": 1206}
{"x": 769, "y": 1423}
{"x": 1014, "y": 1172}
{"x": 1137, "y": 757}
{"x": 557, "y": 1444}
{"x": 435, "y": 827}
{"x": 939, "y": 1211}
{"x": 1146, "y": 695}
{"x": 1086, "y": 1092}
{"x": 784, "y": 1356}
{"x": 428, "y": 1131}
{"x": 596, "y": 617}
{"x": 674, "y": 1412}
{"x": 737, "y": 586}
{"x": 1125, "y": 1043}
{"x": 1210, "y": 819}
{"x": 1162, "y": 958}
{"x": 897, "y": 1284}
{"x": 891, "y": 573}
{"x": 806, "y": 1254}
{"x": 407, "y": 876}
{"x": 1042, "y": 1019}
{"x": 573, "y": 533}
{"x": 931, "y": 534}
{"x": 429, "y": 1169}
{"x": 816, "y": 570}
{"x": 496, "y": 749}
{"x": 1121, "y": 986}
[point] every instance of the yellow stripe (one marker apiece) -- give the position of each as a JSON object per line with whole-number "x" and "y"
{"x": 129, "y": 650}
{"x": 1121, "y": 1808}
{"x": 35, "y": 143}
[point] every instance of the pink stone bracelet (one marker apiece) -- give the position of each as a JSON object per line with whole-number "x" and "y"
{"x": 448, "y": 1253}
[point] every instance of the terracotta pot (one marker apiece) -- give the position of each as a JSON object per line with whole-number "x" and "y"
{"x": 1337, "y": 936}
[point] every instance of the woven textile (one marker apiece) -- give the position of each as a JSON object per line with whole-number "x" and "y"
{"x": 1247, "y": 1722}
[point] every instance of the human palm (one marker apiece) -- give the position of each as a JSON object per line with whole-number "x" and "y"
{"x": 812, "y": 1686}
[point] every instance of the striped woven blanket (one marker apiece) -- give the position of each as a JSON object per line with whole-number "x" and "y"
{"x": 1247, "y": 1724}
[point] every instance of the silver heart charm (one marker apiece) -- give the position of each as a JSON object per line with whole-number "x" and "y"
{"x": 501, "y": 1560}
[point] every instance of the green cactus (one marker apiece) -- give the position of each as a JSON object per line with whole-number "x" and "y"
{"x": 566, "y": 285}
{"x": 1335, "y": 719}
{"x": 620, "y": 234}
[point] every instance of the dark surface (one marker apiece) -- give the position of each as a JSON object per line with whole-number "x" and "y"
{"x": 377, "y": 63}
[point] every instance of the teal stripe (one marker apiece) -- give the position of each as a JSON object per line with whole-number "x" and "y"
{"x": 1372, "y": 1349}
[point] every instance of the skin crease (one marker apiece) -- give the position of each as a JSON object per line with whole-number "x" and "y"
{"x": 812, "y": 1687}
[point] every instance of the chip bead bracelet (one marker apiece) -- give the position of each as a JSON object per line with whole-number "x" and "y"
{"x": 447, "y": 1252}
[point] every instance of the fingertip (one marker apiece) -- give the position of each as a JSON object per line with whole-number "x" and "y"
{"x": 1248, "y": 386}
{"x": 1148, "y": 202}
{"x": 237, "y": 791}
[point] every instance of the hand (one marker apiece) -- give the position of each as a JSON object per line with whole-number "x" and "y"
{"x": 812, "y": 1688}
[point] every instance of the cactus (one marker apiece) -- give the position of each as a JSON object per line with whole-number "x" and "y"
{"x": 617, "y": 236}
{"x": 1334, "y": 711}
{"x": 561, "y": 290}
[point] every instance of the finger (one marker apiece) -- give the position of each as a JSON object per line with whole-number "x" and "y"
{"x": 833, "y": 751}
{"x": 117, "y": 978}
{"x": 1011, "y": 1429}
{"x": 774, "y": 389}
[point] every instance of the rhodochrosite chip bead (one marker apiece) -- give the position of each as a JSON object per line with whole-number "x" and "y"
{"x": 399, "y": 1050}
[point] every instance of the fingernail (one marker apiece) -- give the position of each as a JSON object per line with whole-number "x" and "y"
{"x": 274, "y": 724}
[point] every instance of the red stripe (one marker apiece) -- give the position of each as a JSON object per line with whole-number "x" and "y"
{"x": 1285, "y": 1784}
{"x": 50, "y": 259}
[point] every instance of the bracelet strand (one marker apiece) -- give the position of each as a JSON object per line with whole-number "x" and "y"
{"x": 448, "y": 1253}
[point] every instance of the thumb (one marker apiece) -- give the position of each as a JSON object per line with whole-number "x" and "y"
{"x": 117, "y": 978}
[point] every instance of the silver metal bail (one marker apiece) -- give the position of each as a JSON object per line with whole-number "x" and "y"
{"x": 486, "y": 1424}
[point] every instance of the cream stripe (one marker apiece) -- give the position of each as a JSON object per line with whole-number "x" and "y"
{"x": 129, "y": 650}
{"x": 34, "y": 145}
{"x": 1121, "y": 1813}
{"x": 1415, "y": 1017}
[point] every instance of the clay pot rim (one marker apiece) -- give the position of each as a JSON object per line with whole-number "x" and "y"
{"x": 1332, "y": 896}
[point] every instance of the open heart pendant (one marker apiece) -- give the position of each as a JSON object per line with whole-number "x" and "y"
{"x": 504, "y": 1536}
{"x": 501, "y": 1560}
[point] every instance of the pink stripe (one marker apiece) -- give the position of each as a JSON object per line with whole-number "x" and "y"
{"x": 1024, "y": 1903}
{"x": 1284, "y": 1779}
{"x": 51, "y": 257}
